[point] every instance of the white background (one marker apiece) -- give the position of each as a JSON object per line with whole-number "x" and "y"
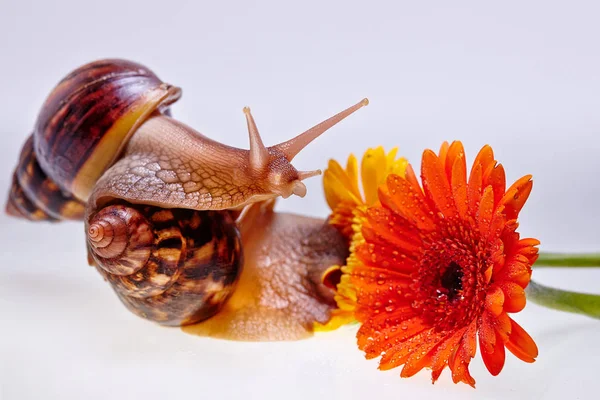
{"x": 523, "y": 76}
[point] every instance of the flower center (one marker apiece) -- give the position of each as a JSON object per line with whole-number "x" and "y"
{"x": 451, "y": 280}
{"x": 450, "y": 286}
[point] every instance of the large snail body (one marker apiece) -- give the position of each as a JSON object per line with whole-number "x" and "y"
{"x": 159, "y": 200}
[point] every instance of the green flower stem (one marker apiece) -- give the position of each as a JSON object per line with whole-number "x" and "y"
{"x": 568, "y": 260}
{"x": 578, "y": 303}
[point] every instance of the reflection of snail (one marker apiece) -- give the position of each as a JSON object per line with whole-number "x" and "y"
{"x": 163, "y": 204}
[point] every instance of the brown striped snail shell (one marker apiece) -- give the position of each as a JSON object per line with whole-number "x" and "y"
{"x": 35, "y": 196}
{"x": 158, "y": 199}
{"x": 82, "y": 128}
{"x": 173, "y": 266}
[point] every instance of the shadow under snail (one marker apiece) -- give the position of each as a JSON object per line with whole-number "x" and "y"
{"x": 180, "y": 225}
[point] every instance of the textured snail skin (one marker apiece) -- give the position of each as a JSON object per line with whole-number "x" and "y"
{"x": 169, "y": 164}
{"x": 165, "y": 163}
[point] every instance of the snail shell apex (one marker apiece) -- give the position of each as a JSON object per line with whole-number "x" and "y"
{"x": 121, "y": 239}
{"x": 86, "y": 121}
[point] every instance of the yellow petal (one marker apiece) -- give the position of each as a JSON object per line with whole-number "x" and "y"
{"x": 336, "y": 186}
{"x": 391, "y": 155}
{"x": 352, "y": 172}
{"x": 398, "y": 167}
{"x": 373, "y": 170}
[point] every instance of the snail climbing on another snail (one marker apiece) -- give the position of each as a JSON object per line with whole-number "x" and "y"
{"x": 180, "y": 225}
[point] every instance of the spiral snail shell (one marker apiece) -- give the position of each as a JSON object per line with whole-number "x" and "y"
{"x": 157, "y": 260}
{"x": 160, "y": 201}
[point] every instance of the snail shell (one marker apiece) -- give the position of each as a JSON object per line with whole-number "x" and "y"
{"x": 35, "y": 196}
{"x": 90, "y": 115}
{"x": 83, "y": 126}
{"x": 172, "y": 266}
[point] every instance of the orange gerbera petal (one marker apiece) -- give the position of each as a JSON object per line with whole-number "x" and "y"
{"x": 474, "y": 188}
{"x": 443, "y": 153}
{"x": 411, "y": 177}
{"x": 388, "y": 336}
{"x": 386, "y": 227}
{"x": 398, "y": 354}
{"x": 406, "y": 200}
{"x": 521, "y": 344}
{"x": 458, "y": 180}
{"x": 487, "y": 333}
{"x": 494, "y": 301}
{"x": 486, "y": 209}
{"x": 443, "y": 353}
{"x": 436, "y": 185}
{"x": 386, "y": 258}
{"x": 496, "y": 178}
{"x": 517, "y": 270}
{"x": 485, "y": 158}
{"x": 516, "y": 196}
{"x": 494, "y": 360}
{"x": 514, "y": 297}
{"x": 437, "y": 266}
{"x": 527, "y": 248}
{"x": 422, "y": 356}
{"x": 459, "y": 361}
{"x": 502, "y": 325}
{"x": 456, "y": 152}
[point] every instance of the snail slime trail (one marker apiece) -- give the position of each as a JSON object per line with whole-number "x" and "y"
{"x": 181, "y": 226}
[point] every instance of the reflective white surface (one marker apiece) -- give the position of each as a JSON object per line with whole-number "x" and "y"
{"x": 522, "y": 77}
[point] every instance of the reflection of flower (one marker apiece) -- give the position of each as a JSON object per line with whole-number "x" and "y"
{"x": 348, "y": 205}
{"x": 437, "y": 266}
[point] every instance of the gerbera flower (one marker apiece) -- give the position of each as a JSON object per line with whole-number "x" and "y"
{"x": 443, "y": 265}
{"x": 349, "y": 203}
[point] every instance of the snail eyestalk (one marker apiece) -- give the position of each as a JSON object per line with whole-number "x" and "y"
{"x": 293, "y": 146}
{"x": 302, "y": 175}
{"x": 259, "y": 155}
